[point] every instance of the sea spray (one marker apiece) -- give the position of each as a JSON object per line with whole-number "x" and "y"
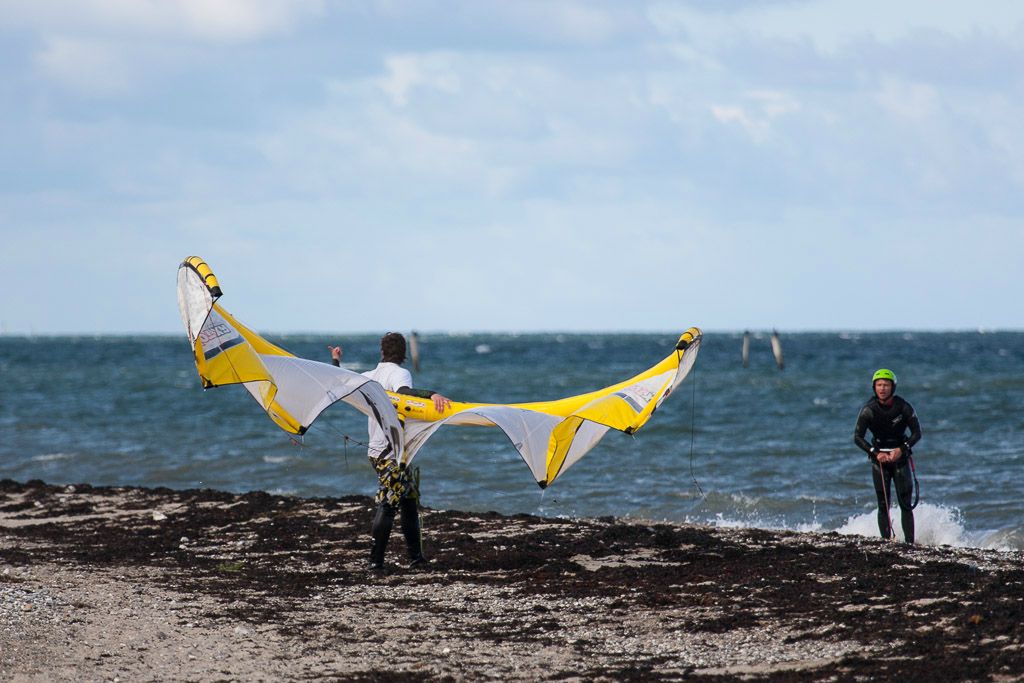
{"x": 933, "y": 525}
{"x": 1002, "y": 539}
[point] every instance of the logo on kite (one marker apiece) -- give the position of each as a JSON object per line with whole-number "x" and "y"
{"x": 217, "y": 336}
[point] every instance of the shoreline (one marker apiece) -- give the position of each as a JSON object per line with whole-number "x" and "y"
{"x": 153, "y": 584}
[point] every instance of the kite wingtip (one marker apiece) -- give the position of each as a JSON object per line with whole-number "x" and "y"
{"x": 203, "y": 270}
{"x": 688, "y": 338}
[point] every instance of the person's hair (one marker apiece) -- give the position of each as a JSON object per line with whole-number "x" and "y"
{"x": 392, "y": 348}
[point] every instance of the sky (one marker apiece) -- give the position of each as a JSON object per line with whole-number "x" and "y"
{"x": 527, "y": 165}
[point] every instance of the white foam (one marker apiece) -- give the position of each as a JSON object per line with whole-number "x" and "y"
{"x": 47, "y": 457}
{"x": 808, "y": 527}
{"x": 281, "y": 491}
{"x": 744, "y": 500}
{"x": 722, "y": 522}
{"x": 933, "y": 525}
{"x": 1003, "y": 539}
{"x": 276, "y": 459}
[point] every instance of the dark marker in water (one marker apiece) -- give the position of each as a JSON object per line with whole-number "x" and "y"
{"x": 414, "y": 351}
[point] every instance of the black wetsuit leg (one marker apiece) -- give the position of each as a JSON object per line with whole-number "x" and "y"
{"x": 380, "y": 532}
{"x": 411, "y": 530}
{"x": 882, "y": 477}
{"x": 904, "y": 493}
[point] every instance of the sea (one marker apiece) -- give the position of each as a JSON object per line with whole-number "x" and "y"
{"x": 734, "y": 446}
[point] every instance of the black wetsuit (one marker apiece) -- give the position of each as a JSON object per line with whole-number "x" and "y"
{"x": 889, "y": 426}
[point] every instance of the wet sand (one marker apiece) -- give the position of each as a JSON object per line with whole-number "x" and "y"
{"x": 137, "y": 584}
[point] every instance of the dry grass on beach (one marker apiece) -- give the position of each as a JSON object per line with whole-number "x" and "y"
{"x": 137, "y": 584}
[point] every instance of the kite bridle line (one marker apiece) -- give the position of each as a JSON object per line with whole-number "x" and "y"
{"x": 300, "y": 441}
{"x": 345, "y": 439}
{"x": 917, "y": 485}
{"x": 693, "y": 411}
{"x": 885, "y": 497}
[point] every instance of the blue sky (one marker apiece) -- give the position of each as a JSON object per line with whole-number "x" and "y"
{"x": 527, "y": 165}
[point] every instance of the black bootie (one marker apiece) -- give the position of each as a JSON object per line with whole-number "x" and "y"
{"x": 412, "y": 532}
{"x": 383, "y": 520}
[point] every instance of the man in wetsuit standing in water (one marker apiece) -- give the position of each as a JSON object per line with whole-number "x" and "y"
{"x": 398, "y": 489}
{"x": 889, "y": 418}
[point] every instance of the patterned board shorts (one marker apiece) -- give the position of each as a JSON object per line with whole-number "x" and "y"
{"x": 397, "y": 482}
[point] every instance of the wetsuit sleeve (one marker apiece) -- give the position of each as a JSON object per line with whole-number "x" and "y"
{"x": 861, "y": 429}
{"x": 914, "y": 424}
{"x": 418, "y": 393}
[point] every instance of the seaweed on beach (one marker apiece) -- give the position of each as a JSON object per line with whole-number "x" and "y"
{"x": 289, "y": 562}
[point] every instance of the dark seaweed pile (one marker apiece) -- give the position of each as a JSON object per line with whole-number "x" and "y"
{"x": 264, "y": 556}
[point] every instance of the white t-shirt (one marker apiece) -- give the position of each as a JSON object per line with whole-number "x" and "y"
{"x": 392, "y": 377}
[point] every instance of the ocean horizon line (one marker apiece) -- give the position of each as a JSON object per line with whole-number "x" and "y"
{"x": 512, "y": 332}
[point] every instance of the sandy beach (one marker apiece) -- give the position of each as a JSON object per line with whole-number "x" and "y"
{"x": 135, "y": 584}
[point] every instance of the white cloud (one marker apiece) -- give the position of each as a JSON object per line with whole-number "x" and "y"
{"x": 726, "y": 114}
{"x": 215, "y": 21}
{"x": 908, "y": 100}
{"x": 563, "y": 22}
{"x": 524, "y": 160}
{"x": 104, "y": 46}
{"x": 832, "y": 24}
{"x": 409, "y": 71}
{"x": 999, "y": 116}
{"x": 84, "y": 65}
{"x": 766, "y": 105}
{"x": 468, "y": 125}
{"x": 774, "y": 103}
{"x": 578, "y": 21}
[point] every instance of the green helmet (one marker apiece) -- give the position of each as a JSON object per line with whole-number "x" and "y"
{"x": 884, "y": 374}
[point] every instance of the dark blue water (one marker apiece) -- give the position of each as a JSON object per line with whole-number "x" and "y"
{"x": 767, "y": 448}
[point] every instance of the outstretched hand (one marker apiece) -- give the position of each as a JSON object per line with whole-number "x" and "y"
{"x": 335, "y": 352}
